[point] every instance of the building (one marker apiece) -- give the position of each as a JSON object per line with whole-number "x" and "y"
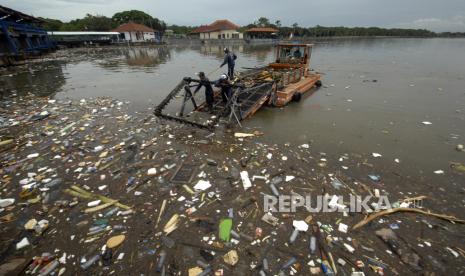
{"x": 84, "y": 38}
{"x": 261, "y": 33}
{"x": 21, "y": 36}
{"x": 169, "y": 33}
{"x": 134, "y": 32}
{"x": 220, "y": 29}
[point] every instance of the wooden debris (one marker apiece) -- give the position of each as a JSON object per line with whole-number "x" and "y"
{"x": 79, "y": 192}
{"x": 172, "y": 224}
{"x": 163, "y": 205}
{"x": 400, "y": 209}
{"x": 99, "y": 207}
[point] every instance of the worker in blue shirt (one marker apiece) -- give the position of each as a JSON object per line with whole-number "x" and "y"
{"x": 230, "y": 59}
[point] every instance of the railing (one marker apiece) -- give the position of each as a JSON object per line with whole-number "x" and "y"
{"x": 18, "y": 38}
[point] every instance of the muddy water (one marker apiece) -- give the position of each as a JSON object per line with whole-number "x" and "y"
{"x": 376, "y": 94}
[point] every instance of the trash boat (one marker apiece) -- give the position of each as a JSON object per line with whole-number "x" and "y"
{"x": 277, "y": 84}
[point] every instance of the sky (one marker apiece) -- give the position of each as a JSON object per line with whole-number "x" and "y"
{"x": 435, "y": 15}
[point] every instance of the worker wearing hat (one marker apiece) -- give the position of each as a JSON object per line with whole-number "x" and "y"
{"x": 230, "y": 59}
{"x": 226, "y": 87}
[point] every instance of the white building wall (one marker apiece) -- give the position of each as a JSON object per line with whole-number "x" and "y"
{"x": 149, "y": 36}
{"x": 226, "y": 34}
{"x": 127, "y": 36}
{"x": 143, "y": 36}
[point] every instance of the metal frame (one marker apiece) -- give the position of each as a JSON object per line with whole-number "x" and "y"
{"x": 7, "y": 27}
{"x": 182, "y": 85}
{"x": 233, "y": 107}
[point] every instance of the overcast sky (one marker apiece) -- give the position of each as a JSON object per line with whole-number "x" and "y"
{"x": 436, "y": 15}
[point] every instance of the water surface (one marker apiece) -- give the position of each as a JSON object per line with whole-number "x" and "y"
{"x": 376, "y": 94}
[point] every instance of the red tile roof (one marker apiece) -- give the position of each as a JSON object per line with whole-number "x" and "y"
{"x": 132, "y": 27}
{"x": 262, "y": 30}
{"x": 218, "y": 25}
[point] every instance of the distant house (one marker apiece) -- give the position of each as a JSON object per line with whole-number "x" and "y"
{"x": 261, "y": 33}
{"x": 134, "y": 32}
{"x": 169, "y": 33}
{"x": 220, "y": 29}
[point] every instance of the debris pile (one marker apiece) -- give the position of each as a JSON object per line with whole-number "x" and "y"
{"x": 87, "y": 187}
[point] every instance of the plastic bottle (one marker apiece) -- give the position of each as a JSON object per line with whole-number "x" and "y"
{"x": 274, "y": 190}
{"x": 312, "y": 245}
{"x": 90, "y": 262}
{"x": 161, "y": 260}
{"x": 265, "y": 264}
{"x": 119, "y": 227}
{"x": 235, "y": 235}
{"x": 289, "y": 263}
{"x": 326, "y": 268}
{"x": 293, "y": 236}
{"x": 106, "y": 257}
{"x": 111, "y": 212}
{"x": 246, "y": 237}
{"x": 231, "y": 212}
{"x": 49, "y": 268}
{"x": 202, "y": 264}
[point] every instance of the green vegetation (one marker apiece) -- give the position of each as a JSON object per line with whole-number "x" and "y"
{"x": 88, "y": 23}
{"x": 103, "y": 23}
{"x": 181, "y": 29}
{"x": 139, "y": 17}
{"x": 320, "y": 31}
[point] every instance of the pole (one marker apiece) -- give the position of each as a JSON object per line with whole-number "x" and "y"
{"x": 213, "y": 71}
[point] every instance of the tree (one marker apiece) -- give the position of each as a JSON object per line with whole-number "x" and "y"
{"x": 139, "y": 17}
{"x": 181, "y": 29}
{"x": 51, "y": 24}
{"x": 278, "y": 23}
{"x": 96, "y": 23}
{"x": 88, "y": 23}
{"x": 295, "y": 25}
{"x": 263, "y": 22}
{"x": 136, "y": 16}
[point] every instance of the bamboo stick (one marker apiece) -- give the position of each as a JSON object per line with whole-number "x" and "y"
{"x": 105, "y": 199}
{"x": 400, "y": 209}
{"x": 99, "y": 207}
{"x": 162, "y": 209}
{"x": 76, "y": 194}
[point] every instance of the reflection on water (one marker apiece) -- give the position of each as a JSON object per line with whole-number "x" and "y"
{"x": 218, "y": 50}
{"x": 82, "y": 68}
{"x": 376, "y": 91}
{"x": 147, "y": 58}
{"x": 41, "y": 80}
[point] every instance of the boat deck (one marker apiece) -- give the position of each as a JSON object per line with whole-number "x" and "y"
{"x": 286, "y": 94}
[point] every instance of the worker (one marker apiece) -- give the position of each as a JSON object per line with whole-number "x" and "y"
{"x": 226, "y": 88}
{"x": 204, "y": 81}
{"x": 230, "y": 59}
{"x": 297, "y": 53}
